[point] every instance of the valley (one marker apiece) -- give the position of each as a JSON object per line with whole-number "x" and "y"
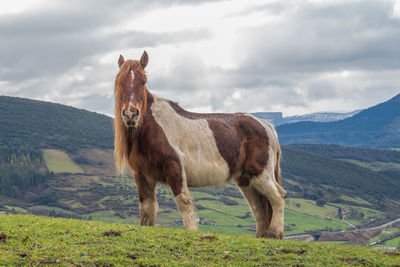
{"x": 84, "y": 185}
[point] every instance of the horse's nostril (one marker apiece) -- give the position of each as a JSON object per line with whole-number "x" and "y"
{"x": 130, "y": 114}
{"x": 135, "y": 112}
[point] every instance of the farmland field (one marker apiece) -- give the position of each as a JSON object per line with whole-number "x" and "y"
{"x": 58, "y": 161}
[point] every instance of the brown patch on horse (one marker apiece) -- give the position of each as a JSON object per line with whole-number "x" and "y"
{"x": 241, "y": 140}
{"x": 151, "y": 154}
{"x": 228, "y": 142}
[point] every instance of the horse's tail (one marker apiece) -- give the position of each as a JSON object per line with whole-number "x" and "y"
{"x": 278, "y": 167}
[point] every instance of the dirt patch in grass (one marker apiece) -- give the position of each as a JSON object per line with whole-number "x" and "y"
{"x": 112, "y": 233}
{"x": 395, "y": 253}
{"x": 3, "y": 238}
{"x": 206, "y": 236}
{"x": 298, "y": 252}
{"x": 133, "y": 257}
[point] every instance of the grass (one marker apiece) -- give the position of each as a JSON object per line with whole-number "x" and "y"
{"x": 300, "y": 223}
{"x": 375, "y": 166}
{"x": 395, "y": 242}
{"x": 58, "y": 161}
{"x": 310, "y": 208}
{"x": 32, "y": 240}
{"x": 15, "y": 208}
{"x": 356, "y": 200}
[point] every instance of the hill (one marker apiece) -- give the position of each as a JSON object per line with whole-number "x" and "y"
{"x": 335, "y": 177}
{"x": 356, "y": 153}
{"x": 383, "y": 161}
{"x": 31, "y": 240}
{"x": 378, "y": 126}
{"x": 31, "y": 125}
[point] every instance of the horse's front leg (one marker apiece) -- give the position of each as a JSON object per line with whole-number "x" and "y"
{"x": 148, "y": 205}
{"x": 176, "y": 179}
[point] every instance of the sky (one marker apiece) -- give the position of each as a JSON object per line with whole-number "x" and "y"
{"x": 292, "y": 56}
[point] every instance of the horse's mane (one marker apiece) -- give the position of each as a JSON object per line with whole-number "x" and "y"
{"x": 120, "y": 132}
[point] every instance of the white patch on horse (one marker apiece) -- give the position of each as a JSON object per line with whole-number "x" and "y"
{"x": 195, "y": 144}
{"x": 132, "y": 75}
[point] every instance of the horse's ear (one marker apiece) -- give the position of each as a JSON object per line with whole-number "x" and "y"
{"x": 121, "y": 61}
{"x": 144, "y": 59}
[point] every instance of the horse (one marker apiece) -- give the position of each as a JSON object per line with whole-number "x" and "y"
{"x": 161, "y": 142}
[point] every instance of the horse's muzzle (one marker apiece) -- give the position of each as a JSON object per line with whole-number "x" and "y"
{"x": 130, "y": 118}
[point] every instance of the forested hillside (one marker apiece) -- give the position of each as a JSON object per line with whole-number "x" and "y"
{"x": 378, "y": 126}
{"x": 357, "y": 153}
{"x": 321, "y": 177}
{"x": 20, "y": 170}
{"x": 31, "y": 125}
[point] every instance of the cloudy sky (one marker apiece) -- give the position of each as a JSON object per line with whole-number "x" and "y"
{"x": 214, "y": 56}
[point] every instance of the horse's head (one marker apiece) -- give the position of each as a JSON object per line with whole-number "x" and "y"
{"x": 130, "y": 91}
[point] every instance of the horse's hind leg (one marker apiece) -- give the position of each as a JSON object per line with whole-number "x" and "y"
{"x": 260, "y": 207}
{"x": 266, "y": 184}
{"x": 148, "y": 205}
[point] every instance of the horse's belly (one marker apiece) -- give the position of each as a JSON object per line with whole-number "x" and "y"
{"x": 205, "y": 173}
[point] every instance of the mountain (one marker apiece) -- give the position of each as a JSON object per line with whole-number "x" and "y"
{"x": 377, "y": 126}
{"x": 31, "y": 124}
{"x": 277, "y": 119}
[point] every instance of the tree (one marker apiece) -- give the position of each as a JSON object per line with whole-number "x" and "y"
{"x": 340, "y": 213}
{"x": 320, "y": 202}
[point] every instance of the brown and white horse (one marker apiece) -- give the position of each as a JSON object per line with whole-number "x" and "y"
{"x": 163, "y": 143}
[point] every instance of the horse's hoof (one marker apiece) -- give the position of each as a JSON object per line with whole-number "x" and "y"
{"x": 274, "y": 234}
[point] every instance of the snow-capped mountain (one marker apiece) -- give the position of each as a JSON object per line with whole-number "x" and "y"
{"x": 276, "y": 118}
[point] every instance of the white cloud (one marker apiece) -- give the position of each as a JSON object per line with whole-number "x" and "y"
{"x": 17, "y": 6}
{"x": 396, "y": 9}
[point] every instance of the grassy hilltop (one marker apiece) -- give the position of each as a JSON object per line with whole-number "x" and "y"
{"x": 32, "y": 240}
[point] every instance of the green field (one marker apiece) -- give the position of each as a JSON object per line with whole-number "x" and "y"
{"x": 356, "y": 200}
{"x": 310, "y": 208}
{"x": 58, "y": 161}
{"x": 32, "y": 240}
{"x": 375, "y": 166}
{"x": 300, "y": 223}
{"x": 395, "y": 242}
